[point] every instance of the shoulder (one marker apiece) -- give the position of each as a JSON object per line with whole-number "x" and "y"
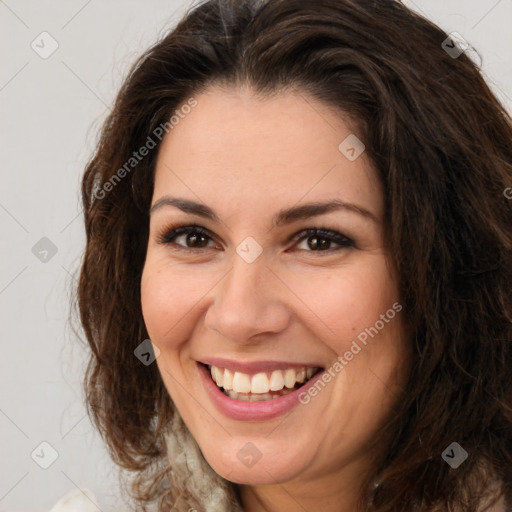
{"x": 79, "y": 500}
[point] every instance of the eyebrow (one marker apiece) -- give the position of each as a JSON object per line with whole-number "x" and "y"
{"x": 283, "y": 217}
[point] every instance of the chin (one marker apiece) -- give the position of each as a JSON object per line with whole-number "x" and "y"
{"x": 249, "y": 465}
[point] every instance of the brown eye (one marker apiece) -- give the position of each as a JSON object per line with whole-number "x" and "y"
{"x": 187, "y": 237}
{"x": 319, "y": 243}
{"x": 196, "y": 240}
{"x": 318, "y": 240}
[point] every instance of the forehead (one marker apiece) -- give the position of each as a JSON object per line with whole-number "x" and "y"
{"x": 237, "y": 148}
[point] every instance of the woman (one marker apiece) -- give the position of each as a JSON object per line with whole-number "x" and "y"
{"x": 302, "y": 205}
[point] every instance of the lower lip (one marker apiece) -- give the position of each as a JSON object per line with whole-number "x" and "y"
{"x": 252, "y": 411}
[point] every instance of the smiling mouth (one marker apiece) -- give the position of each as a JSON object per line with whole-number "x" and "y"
{"x": 261, "y": 386}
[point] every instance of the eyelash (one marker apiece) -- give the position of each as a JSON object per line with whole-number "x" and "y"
{"x": 167, "y": 236}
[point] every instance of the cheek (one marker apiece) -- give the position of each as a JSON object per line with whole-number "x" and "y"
{"x": 167, "y": 298}
{"x": 348, "y": 301}
{"x": 173, "y": 299}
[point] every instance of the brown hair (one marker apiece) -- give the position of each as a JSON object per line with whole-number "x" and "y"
{"x": 442, "y": 146}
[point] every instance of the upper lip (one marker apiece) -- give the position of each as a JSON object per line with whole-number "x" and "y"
{"x": 252, "y": 367}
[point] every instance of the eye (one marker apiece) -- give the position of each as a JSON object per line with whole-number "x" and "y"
{"x": 187, "y": 237}
{"x": 319, "y": 240}
{"x": 311, "y": 240}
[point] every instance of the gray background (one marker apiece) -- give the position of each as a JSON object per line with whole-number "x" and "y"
{"x": 51, "y": 110}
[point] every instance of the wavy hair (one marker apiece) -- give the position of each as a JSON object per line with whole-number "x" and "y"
{"x": 441, "y": 144}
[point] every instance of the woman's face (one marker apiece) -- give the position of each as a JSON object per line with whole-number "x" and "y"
{"x": 256, "y": 298}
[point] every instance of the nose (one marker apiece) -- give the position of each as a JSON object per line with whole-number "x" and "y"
{"x": 248, "y": 303}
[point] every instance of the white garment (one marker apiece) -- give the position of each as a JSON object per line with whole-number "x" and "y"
{"x": 83, "y": 500}
{"x": 79, "y": 500}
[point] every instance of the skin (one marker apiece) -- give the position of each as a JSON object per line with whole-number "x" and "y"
{"x": 248, "y": 157}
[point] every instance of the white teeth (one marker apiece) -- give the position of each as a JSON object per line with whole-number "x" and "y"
{"x": 244, "y": 397}
{"x": 289, "y": 378}
{"x": 259, "y": 383}
{"x": 228, "y": 380}
{"x": 259, "y": 398}
{"x": 219, "y": 377}
{"x": 241, "y": 383}
{"x": 238, "y": 384}
{"x": 276, "y": 381}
